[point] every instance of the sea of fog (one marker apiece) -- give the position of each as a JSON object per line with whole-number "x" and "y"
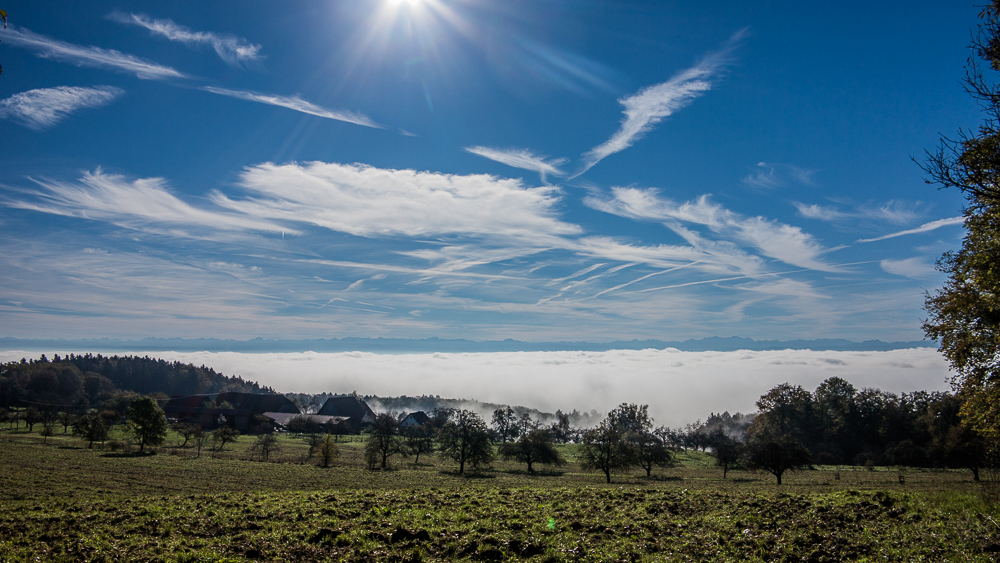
{"x": 679, "y": 387}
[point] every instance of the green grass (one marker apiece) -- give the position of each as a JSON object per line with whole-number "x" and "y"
{"x": 63, "y": 502}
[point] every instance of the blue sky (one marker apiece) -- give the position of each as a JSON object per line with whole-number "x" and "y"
{"x": 536, "y": 170}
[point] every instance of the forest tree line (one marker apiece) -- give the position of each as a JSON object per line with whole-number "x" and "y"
{"x": 82, "y": 381}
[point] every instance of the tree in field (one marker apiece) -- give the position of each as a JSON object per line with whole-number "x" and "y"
{"x": 651, "y": 451}
{"x": 775, "y": 454}
{"x": 441, "y": 415}
{"x": 606, "y": 449}
{"x": 383, "y": 441}
{"x": 148, "y": 422}
{"x": 728, "y": 452}
{"x": 186, "y": 430}
{"x": 92, "y": 428}
{"x": 537, "y": 446}
{"x": 265, "y": 446}
{"x": 66, "y": 419}
{"x": 623, "y": 440}
{"x": 417, "y": 441}
{"x": 965, "y": 313}
{"x": 222, "y": 436}
{"x": 32, "y": 416}
{"x": 328, "y": 451}
{"x": 505, "y": 424}
{"x": 465, "y": 438}
{"x": 47, "y": 430}
{"x": 561, "y": 429}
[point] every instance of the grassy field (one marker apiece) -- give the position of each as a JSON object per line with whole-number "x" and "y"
{"x": 60, "y": 501}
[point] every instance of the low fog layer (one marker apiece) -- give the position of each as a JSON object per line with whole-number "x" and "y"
{"x": 679, "y": 387}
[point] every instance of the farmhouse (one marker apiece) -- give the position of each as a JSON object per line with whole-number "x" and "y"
{"x": 415, "y": 420}
{"x": 358, "y": 413}
{"x": 235, "y": 409}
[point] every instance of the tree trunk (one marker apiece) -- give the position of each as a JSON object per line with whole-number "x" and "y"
{"x": 778, "y": 475}
{"x": 975, "y": 474}
{"x": 607, "y": 473}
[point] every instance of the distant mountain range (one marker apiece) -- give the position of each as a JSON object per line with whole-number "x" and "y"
{"x": 427, "y": 345}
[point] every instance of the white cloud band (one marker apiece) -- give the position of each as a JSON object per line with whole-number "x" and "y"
{"x": 44, "y": 107}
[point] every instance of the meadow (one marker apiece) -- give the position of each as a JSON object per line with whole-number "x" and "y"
{"x": 61, "y": 501}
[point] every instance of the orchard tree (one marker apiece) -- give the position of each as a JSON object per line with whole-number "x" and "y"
{"x": 147, "y": 421}
{"x": 383, "y": 441}
{"x": 505, "y": 424}
{"x": 265, "y": 446}
{"x": 418, "y": 440}
{"x": 728, "y": 452}
{"x": 537, "y": 446}
{"x": 465, "y": 438}
{"x": 92, "y": 428}
{"x": 965, "y": 313}
{"x": 775, "y": 454}
{"x": 605, "y": 449}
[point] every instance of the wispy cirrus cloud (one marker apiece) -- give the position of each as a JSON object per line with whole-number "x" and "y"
{"x": 235, "y": 51}
{"x": 933, "y": 225}
{"x": 44, "y": 107}
{"x": 133, "y": 204}
{"x": 916, "y": 268}
{"x": 88, "y": 56}
{"x": 521, "y": 158}
{"x": 297, "y": 104}
{"x": 768, "y": 237}
{"x": 776, "y": 175}
{"x": 371, "y": 202}
{"x": 892, "y": 211}
{"x": 655, "y": 103}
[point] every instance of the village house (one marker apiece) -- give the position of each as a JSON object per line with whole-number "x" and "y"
{"x": 415, "y": 420}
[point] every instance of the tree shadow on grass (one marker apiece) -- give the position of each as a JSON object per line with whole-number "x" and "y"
{"x": 665, "y": 478}
{"x": 129, "y": 454}
{"x": 472, "y": 474}
{"x": 536, "y": 473}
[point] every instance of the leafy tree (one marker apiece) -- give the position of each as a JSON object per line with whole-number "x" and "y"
{"x": 505, "y": 424}
{"x": 965, "y": 313}
{"x": 66, "y": 419}
{"x": 728, "y": 452}
{"x": 651, "y": 451}
{"x": 440, "y": 415}
{"x": 148, "y": 422}
{"x": 605, "y": 448}
{"x": 222, "y": 436}
{"x": 328, "y": 451}
{"x": 186, "y": 430}
{"x": 33, "y": 416}
{"x": 383, "y": 441}
{"x": 537, "y": 446}
{"x": 47, "y": 430}
{"x": 419, "y": 440}
{"x": 465, "y": 438}
{"x": 561, "y": 430}
{"x": 775, "y": 454}
{"x": 265, "y": 446}
{"x": 303, "y": 425}
{"x": 92, "y": 428}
